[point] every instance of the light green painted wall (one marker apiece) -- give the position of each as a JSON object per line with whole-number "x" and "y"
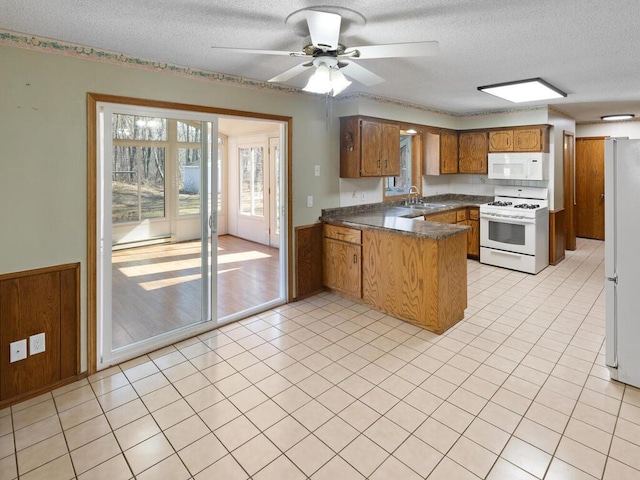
{"x": 43, "y": 149}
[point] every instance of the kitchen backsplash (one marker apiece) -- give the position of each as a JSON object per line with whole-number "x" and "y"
{"x": 362, "y": 191}
{"x": 470, "y": 184}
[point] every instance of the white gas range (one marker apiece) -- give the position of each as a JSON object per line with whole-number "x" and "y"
{"x": 514, "y": 229}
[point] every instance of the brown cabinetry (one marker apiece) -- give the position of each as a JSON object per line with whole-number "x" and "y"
{"x": 473, "y": 234}
{"x": 420, "y": 280}
{"x": 440, "y": 152}
{"x": 472, "y": 152}
{"x": 443, "y": 217}
{"x": 469, "y": 217}
{"x": 501, "y": 141}
{"x": 342, "y": 259}
{"x": 520, "y": 139}
{"x": 369, "y": 147}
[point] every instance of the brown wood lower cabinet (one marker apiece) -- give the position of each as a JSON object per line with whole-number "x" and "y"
{"x": 469, "y": 217}
{"x": 420, "y": 280}
{"x": 39, "y": 301}
{"x": 342, "y": 258}
{"x": 473, "y": 235}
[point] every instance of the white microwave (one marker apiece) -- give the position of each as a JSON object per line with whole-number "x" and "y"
{"x": 519, "y": 166}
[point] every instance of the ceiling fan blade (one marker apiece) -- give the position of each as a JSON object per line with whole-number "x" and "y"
{"x": 324, "y": 28}
{"x": 414, "y": 49}
{"x": 292, "y": 72}
{"x": 361, "y": 74}
{"x": 261, "y": 52}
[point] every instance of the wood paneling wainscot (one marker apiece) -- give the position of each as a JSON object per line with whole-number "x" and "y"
{"x": 36, "y": 301}
{"x": 422, "y": 281}
{"x": 308, "y": 260}
{"x": 556, "y": 236}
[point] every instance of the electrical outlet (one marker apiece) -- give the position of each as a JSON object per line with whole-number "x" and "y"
{"x": 18, "y": 350}
{"x": 36, "y": 343}
{"x": 317, "y": 170}
{"x": 310, "y": 201}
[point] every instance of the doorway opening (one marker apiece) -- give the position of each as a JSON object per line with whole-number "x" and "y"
{"x": 189, "y": 208}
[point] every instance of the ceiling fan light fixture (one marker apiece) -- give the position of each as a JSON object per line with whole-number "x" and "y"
{"x": 327, "y": 78}
{"x": 320, "y": 81}
{"x": 618, "y": 116}
{"x": 338, "y": 81}
{"x": 530, "y": 90}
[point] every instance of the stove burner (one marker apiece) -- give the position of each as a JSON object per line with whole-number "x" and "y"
{"x": 499, "y": 203}
{"x": 528, "y": 206}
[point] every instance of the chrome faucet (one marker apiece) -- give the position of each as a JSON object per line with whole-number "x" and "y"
{"x": 413, "y": 190}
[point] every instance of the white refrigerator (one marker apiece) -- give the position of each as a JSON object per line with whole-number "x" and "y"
{"x": 622, "y": 259}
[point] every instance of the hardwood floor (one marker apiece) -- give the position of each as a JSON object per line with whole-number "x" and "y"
{"x": 156, "y": 288}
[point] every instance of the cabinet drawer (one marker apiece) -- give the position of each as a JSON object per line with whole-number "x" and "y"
{"x": 474, "y": 214}
{"x": 345, "y": 234}
{"x": 461, "y": 215}
{"x": 444, "y": 217}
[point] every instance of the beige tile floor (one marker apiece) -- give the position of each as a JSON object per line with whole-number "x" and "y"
{"x": 329, "y": 389}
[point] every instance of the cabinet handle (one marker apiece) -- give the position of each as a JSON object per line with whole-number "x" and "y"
{"x": 355, "y": 258}
{"x": 378, "y": 163}
{"x": 386, "y": 164}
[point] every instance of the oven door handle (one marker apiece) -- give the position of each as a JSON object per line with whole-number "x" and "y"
{"x": 507, "y": 219}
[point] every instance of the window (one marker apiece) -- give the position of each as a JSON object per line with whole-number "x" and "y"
{"x": 189, "y": 161}
{"x": 251, "y": 181}
{"x": 139, "y": 160}
{"x": 395, "y": 187}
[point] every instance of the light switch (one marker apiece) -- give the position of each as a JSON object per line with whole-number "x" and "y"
{"x": 18, "y": 350}
{"x": 317, "y": 170}
{"x": 310, "y": 201}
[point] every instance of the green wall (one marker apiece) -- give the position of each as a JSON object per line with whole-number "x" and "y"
{"x": 43, "y": 148}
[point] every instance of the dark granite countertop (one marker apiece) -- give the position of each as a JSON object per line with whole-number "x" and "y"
{"x": 396, "y": 217}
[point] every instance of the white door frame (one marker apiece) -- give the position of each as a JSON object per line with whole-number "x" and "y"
{"x": 106, "y": 355}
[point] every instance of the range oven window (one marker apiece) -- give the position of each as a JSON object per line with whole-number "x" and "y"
{"x": 507, "y": 233}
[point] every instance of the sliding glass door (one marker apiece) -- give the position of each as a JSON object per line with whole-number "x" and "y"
{"x": 156, "y": 228}
{"x": 165, "y": 270}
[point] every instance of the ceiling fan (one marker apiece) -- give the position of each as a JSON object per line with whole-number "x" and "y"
{"x": 334, "y": 61}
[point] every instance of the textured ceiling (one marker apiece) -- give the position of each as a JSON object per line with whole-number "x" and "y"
{"x": 587, "y": 48}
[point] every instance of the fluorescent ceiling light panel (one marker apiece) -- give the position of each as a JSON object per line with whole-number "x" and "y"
{"x": 530, "y": 90}
{"x": 619, "y": 116}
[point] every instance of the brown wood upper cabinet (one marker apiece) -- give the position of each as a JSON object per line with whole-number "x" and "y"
{"x": 520, "y": 139}
{"x": 440, "y": 152}
{"x": 369, "y": 147}
{"x": 472, "y": 153}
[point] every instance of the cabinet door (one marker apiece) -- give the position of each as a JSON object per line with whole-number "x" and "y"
{"x": 371, "y": 148}
{"x": 448, "y": 152}
{"x": 342, "y": 267}
{"x": 501, "y": 141}
{"x": 473, "y": 152}
{"x": 444, "y": 217}
{"x": 473, "y": 239}
{"x": 390, "y": 150}
{"x": 528, "y": 140}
